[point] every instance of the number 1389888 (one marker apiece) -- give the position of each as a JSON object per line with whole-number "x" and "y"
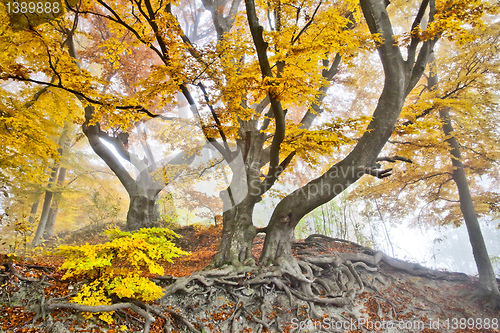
{"x": 33, "y": 7}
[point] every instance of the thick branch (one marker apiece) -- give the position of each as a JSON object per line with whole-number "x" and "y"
{"x": 216, "y": 118}
{"x": 423, "y": 56}
{"x": 364, "y": 154}
{"x": 92, "y": 133}
{"x": 124, "y": 153}
{"x": 377, "y": 172}
{"x": 415, "y": 40}
{"x": 136, "y": 108}
{"x": 393, "y": 159}
{"x": 277, "y": 110}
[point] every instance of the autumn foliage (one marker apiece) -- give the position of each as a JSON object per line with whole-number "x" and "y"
{"x": 119, "y": 268}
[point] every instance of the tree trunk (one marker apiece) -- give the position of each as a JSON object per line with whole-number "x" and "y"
{"x": 37, "y": 239}
{"x": 487, "y": 279}
{"x": 34, "y": 208}
{"x": 142, "y": 212}
{"x": 238, "y": 233}
{"x": 51, "y": 220}
{"x": 63, "y": 144}
{"x": 143, "y": 191}
{"x": 279, "y": 239}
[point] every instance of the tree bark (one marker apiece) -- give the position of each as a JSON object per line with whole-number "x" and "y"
{"x": 37, "y": 238}
{"x": 279, "y": 239}
{"x": 51, "y": 219}
{"x": 34, "y": 208}
{"x": 54, "y": 208}
{"x": 47, "y": 203}
{"x": 238, "y": 233}
{"x": 143, "y": 191}
{"x": 142, "y": 211}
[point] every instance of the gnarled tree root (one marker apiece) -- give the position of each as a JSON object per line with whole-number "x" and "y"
{"x": 148, "y": 318}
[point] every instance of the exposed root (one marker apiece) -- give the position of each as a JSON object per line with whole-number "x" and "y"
{"x": 311, "y": 282}
{"x": 137, "y": 306}
{"x": 339, "y": 301}
{"x": 234, "y": 320}
{"x": 257, "y": 320}
{"x": 290, "y": 266}
{"x": 314, "y": 285}
{"x": 181, "y": 284}
{"x": 18, "y": 275}
{"x": 490, "y": 299}
{"x": 160, "y": 313}
{"x": 183, "y": 319}
{"x": 318, "y": 238}
{"x": 281, "y": 286}
{"x": 148, "y": 318}
{"x": 354, "y": 272}
{"x": 365, "y": 266}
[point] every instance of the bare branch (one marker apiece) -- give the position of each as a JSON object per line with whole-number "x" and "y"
{"x": 296, "y": 38}
{"x": 137, "y": 108}
{"x": 393, "y": 159}
{"x": 378, "y": 173}
{"x": 216, "y": 118}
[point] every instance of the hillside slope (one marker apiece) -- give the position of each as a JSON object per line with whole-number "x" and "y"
{"x": 355, "y": 293}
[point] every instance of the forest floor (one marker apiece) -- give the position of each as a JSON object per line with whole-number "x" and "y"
{"x": 382, "y": 297}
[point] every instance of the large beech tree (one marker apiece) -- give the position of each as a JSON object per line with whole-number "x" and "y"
{"x": 258, "y": 86}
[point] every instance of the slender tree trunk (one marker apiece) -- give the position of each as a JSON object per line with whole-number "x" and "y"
{"x": 34, "y": 208}
{"x": 51, "y": 220}
{"x": 324, "y": 219}
{"x": 47, "y": 202}
{"x": 387, "y": 236}
{"x": 37, "y": 239}
{"x": 487, "y": 279}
